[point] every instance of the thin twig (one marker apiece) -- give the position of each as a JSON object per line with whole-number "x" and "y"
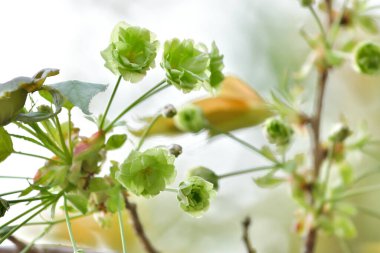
{"x": 247, "y": 242}
{"x": 139, "y": 229}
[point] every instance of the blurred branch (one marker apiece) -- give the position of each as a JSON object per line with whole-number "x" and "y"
{"x": 132, "y": 208}
{"x": 246, "y": 224}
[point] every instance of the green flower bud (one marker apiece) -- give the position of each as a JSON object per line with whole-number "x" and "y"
{"x": 194, "y": 195}
{"x": 367, "y": 58}
{"x": 186, "y": 64}
{"x": 147, "y": 173}
{"x": 190, "y": 119}
{"x": 216, "y": 66}
{"x": 339, "y": 133}
{"x": 206, "y": 174}
{"x": 131, "y": 53}
{"x": 4, "y": 206}
{"x": 45, "y": 109}
{"x": 169, "y": 111}
{"x": 278, "y": 132}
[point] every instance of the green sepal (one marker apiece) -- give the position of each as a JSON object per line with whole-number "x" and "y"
{"x": 116, "y": 141}
{"x": 78, "y": 201}
{"x": 31, "y": 117}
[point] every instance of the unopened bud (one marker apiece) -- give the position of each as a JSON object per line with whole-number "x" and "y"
{"x": 175, "y": 150}
{"x": 339, "y": 133}
{"x": 169, "y": 111}
{"x": 206, "y": 174}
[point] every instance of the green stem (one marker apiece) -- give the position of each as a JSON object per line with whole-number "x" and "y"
{"x": 110, "y": 102}
{"x": 63, "y": 143}
{"x": 56, "y": 221}
{"x": 40, "y": 135}
{"x": 121, "y": 227}
{"x": 244, "y": 143}
{"x": 15, "y": 201}
{"x": 15, "y": 228}
{"x": 147, "y": 94}
{"x": 73, "y": 242}
{"x": 14, "y": 177}
{"x": 369, "y": 212}
{"x": 319, "y": 23}
{"x": 147, "y": 130}
{"x": 31, "y": 244}
{"x": 364, "y": 176}
{"x": 26, "y": 138}
{"x": 36, "y": 156}
{"x": 70, "y": 134}
{"x": 241, "y": 172}
{"x": 326, "y": 180}
{"x": 360, "y": 191}
{"x": 337, "y": 23}
{"x": 23, "y": 214}
{"x": 10, "y": 193}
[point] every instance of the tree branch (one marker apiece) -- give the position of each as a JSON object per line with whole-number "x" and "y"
{"x": 139, "y": 229}
{"x": 315, "y": 127}
{"x": 246, "y": 224}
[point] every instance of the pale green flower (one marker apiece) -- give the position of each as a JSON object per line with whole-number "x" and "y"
{"x": 147, "y": 173}
{"x": 367, "y": 58}
{"x": 131, "y": 53}
{"x": 186, "y": 64}
{"x": 190, "y": 118}
{"x": 194, "y": 195}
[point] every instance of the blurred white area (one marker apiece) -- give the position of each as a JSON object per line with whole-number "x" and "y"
{"x": 260, "y": 42}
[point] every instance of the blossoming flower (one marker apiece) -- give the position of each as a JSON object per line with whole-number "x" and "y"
{"x": 131, "y": 52}
{"x": 194, "y": 195}
{"x": 147, "y": 173}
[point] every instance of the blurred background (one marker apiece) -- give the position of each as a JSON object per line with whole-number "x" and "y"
{"x": 260, "y": 41}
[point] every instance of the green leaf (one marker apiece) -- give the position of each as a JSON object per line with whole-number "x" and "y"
{"x": 76, "y": 93}
{"x": 98, "y": 184}
{"x": 115, "y": 200}
{"x": 344, "y": 227}
{"x": 268, "y": 181}
{"x": 116, "y": 141}
{"x": 368, "y": 24}
{"x": 31, "y": 117}
{"x": 78, "y": 201}
{"x": 6, "y": 145}
{"x": 346, "y": 173}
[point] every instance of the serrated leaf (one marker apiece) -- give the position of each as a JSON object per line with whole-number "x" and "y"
{"x": 116, "y": 141}
{"x": 31, "y": 117}
{"x": 6, "y": 144}
{"x": 78, "y": 201}
{"x": 77, "y": 93}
